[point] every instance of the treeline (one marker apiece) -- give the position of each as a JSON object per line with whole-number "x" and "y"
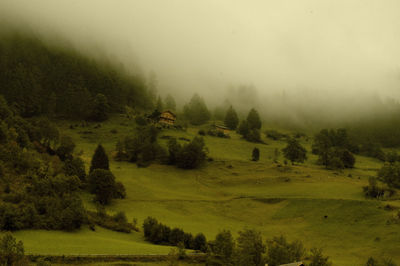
{"x": 37, "y": 78}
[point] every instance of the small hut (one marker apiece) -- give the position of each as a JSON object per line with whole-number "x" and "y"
{"x": 167, "y": 117}
{"x": 223, "y": 129}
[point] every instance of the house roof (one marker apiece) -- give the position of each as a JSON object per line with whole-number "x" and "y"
{"x": 299, "y": 263}
{"x": 168, "y": 111}
{"x": 221, "y": 126}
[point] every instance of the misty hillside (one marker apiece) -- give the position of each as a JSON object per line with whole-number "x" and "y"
{"x": 37, "y": 78}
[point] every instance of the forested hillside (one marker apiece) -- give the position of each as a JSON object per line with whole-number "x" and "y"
{"x": 37, "y": 78}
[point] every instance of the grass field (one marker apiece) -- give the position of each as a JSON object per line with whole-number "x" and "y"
{"x": 233, "y": 193}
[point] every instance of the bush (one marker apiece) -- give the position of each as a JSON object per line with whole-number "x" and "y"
{"x": 202, "y": 132}
{"x": 75, "y": 167}
{"x": 255, "y": 154}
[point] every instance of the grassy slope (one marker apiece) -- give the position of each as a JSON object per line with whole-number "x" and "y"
{"x": 232, "y": 193}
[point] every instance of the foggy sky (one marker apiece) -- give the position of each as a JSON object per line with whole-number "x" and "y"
{"x": 319, "y": 48}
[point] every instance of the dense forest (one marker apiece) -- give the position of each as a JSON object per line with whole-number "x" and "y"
{"x": 37, "y": 78}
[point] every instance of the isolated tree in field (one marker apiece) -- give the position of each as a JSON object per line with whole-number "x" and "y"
{"x": 102, "y": 184}
{"x": 231, "y": 118}
{"x": 250, "y": 248}
{"x": 170, "y": 103}
{"x": 294, "y": 152}
{"x": 99, "y": 159}
{"x": 255, "y": 155}
{"x": 11, "y": 252}
{"x": 196, "y": 111}
{"x": 253, "y": 119}
{"x": 100, "y": 108}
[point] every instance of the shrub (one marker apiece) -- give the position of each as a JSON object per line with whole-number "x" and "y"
{"x": 75, "y": 167}
{"x": 255, "y": 154}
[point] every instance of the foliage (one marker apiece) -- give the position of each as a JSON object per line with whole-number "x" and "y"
{"x": 100, "y": 108}
{"x": 170, "y": 103}
{"x": 231, "y": 119}
{"x": 318, "y": 259}
{"x": 279, "y": 251}
{"x": 66, "y": 148}
{"x": 118, "y": 222}
{"x": 102, "y": 184}
{"x": 253, "y": 119}
{"x": 192, "y": 154}
{"x": 196, "y": 111}
{"x": 250, "y": 128}
{"x": 275, "y": 135}
{"x": 255, "y": 154}
{"x": 294, "y": 151}
{"x": 11, "y": 252}
{"x": 62, "y": 81}
{"x": 75, "y": 167}
{"x": 99, "y": 159}
{"x": 222, "y": 249}
{"x": 390, "y": 174}
{"x": 250, "y": 248}
{"x": 158, "y": 233}
{"x": 333, "y": 148}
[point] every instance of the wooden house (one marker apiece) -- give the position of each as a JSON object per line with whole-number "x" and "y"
{"x": 222, "y": 129}
{"x": 167, "y": 117}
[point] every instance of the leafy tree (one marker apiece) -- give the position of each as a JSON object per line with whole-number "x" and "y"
{"x": 223, "y": 248}
{"x": 390, "y": 174}
{"x": 200, "y": 242}
{"x": 279, "y": 251}
{"x": 256, "y": 154}
{"x": 174, "y": 148}
{"x": 253, "y": 119}
{"x": 99, "y": 159}
{"x": 75, "y": 167}
{"x": 231, "y": 118}
{"x": 250, "y": 248}
{"x": 196, "y": 111}
{"x": 11, "y": 252}
{"x": 294, "y": 152}
{"x": 170, "y": 103}
{"x": 102, "y": 184}
{"x": 100, "y": 108}
{"x": 193, "y": 154}
{"x": 66, "y": 148}
{"x": 318, "y": 259}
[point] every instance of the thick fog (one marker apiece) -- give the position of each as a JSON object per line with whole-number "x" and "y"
{"x": 313, "y": 53}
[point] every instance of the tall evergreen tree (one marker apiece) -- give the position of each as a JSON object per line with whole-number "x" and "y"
{"x": 196, "y": 111}
{"x": 170, "y": 103}
{"x": 159, "y": 104}
{"x": 231, "y": 118}
{"x": 253, "y": 119}
{"x": 99, "y": 159}
{"x": 100, "y": 108}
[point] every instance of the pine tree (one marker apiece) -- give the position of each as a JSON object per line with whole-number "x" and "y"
{"x": 253, "y": 119}
{"x": 170, "y": 103}
{"x": 231, "y": 118}
{"x": 100, "y": 108}
{"x": 99, "y": 159}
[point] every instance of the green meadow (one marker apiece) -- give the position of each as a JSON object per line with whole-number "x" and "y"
{"x": 322, "y": 208}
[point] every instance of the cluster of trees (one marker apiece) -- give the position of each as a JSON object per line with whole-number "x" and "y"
{"x": 39, "y": 176}
{"x": 101, "y": 181}
{"x": 196, "y": 111}
{"x": 250, "y": 128}
{"x": 143, "y": 148}
{"x": 11, "y": 251}
{"x": 294, "y": 151}
{"x": 334, "y": 149}
{"x": 161, "y": 234}
{"x": 250, "y": 249}
{"x": 41, "y": 79}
